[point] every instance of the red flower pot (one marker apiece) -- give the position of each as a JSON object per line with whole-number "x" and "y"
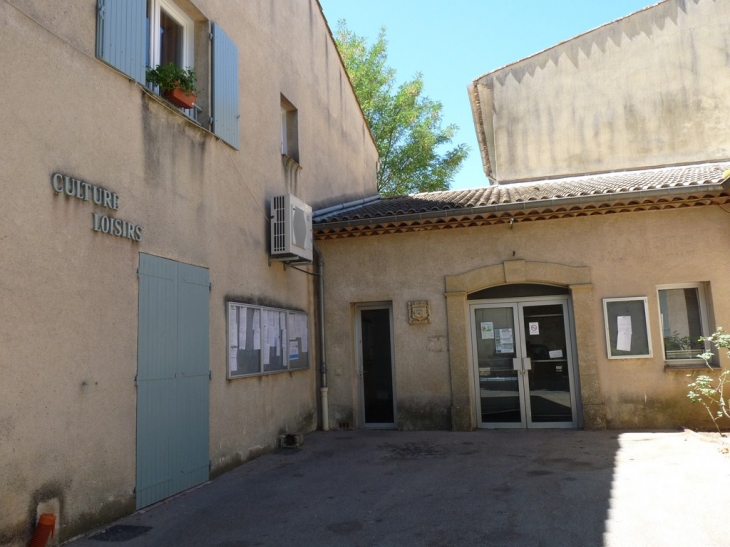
{"x": 180, "y": 98}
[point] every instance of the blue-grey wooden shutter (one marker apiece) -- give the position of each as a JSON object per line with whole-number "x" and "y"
{"x": 172, "y": 378}
{"x": 225, "y": 88}
{"x": 157, "y": 355}
{"x": 192, "y": 457}
{"x": 121, "y": 36}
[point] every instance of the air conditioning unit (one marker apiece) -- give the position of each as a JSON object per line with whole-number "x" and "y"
{"x": 291, "y": 229}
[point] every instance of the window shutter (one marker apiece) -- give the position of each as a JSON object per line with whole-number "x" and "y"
{"x": 225, "y": 88}
{"x": 121, "y": 37}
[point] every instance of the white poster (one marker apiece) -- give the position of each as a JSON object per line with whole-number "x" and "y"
{"x": 234, "y": 360}
{"x": 556, "y": 354}
{"x": 533, "y": 328}
{"x": 242, "y": 320}
{"x": 623, "y": 339}
{"x": 487, "y": 330}
{"x": 304, "y": 334}
{"x": 256, "y": 339}
{"x": 624, "y": 323}
{"x": 265, "y": 336}
{"x": 505, "y": 336}
{"x": 232, "y": 330}
{"x": 507, "y": 348}
{"x": 293, "y": 350}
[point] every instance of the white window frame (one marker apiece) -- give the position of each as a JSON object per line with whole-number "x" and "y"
{"x": 181, "y": 19}
{"x": 283, "y": 132}
{"x": 646, "y": 326}
{"x": 704, "y": 322}
{"x": 289, "y": 130}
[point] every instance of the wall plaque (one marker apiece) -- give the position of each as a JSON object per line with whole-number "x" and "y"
{"x": 419, "y": 312}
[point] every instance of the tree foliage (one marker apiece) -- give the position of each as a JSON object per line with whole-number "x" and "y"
{"x": 405, "y": 124}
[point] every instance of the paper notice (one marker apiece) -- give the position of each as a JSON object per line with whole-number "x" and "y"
{"x": 242, "y": 321}
{"x": 266, "y": 354}
{"x": 533, "y": 328}
{"x": 556, "y": 354}
{"x": 624, "y": 323}
{"x": 623, "y": 338}
{"x": 623, "y": 341}
{"x": 487, "y": 330}
{"x": 505, "y": 336}
{"x": 232, "y": 328}
{"x": 234, "y": 360}
{"x": 293, "y": 349}
{"x": 256, "y": 339}
{"x": 507, "y": 348}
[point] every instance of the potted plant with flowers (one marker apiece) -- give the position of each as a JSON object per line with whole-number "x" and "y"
{"x": 176, "y": 84}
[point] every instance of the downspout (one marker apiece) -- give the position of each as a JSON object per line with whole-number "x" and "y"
{"x": 322, "y": 360}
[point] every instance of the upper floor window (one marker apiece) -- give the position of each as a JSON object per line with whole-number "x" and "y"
{"x": 289, "y": 130}
{"x": 135, "y": 34}
{"x": 170, "y": 35}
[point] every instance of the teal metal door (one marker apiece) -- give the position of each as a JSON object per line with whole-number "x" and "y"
{"x": 172, "y": 378}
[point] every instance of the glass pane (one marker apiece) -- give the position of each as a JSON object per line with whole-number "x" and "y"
{"x": 377, "y": 367}
{"x": 498, "y": 381}
{"x": 517, "y": 290}
{"x": 681, "y": 323}
{"x": 549, "y": 381}
{"x": 171, "y": 40}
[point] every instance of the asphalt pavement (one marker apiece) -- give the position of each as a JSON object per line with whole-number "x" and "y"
{"x": 436, "y": 489}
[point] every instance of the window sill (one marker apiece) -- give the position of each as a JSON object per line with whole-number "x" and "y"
{"x": 267, "y": 373}
{"x": 167, "y": 104}
{"x": 689, "y": 365}
{"x": 290, "y": 163}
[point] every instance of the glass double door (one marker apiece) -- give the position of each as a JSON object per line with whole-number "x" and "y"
{"x": 523, "y": 364}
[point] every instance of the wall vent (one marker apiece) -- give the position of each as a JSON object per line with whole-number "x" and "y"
{"x": 291, "y": 229}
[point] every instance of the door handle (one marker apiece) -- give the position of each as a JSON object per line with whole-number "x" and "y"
{"x": 521, "y": 364}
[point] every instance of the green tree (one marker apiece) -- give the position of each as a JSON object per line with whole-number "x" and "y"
{"x": 405, "y": 124}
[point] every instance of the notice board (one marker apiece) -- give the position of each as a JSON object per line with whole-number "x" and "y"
{"x": 263, "y": 340}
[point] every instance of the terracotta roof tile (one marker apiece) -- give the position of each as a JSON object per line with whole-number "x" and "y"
{"x": 597, "y": 186}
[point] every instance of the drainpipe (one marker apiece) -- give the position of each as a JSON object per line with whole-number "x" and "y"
{"x": 322, "y": 361}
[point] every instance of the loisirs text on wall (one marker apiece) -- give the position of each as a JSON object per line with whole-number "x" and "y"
{"x": 104, "y": 223}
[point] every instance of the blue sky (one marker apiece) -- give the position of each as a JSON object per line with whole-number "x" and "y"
{"x": 452, "y": 42}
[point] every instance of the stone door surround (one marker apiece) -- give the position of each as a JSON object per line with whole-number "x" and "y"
{"x": 576, "y": 278}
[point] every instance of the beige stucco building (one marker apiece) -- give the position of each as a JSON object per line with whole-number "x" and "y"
{"x": 573, "y": 292}
{"x": 127, "y": 228}
{"x": 149, "y": 340}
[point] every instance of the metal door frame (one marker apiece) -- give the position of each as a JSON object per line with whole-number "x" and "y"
{"x": 517, "y": 305}
{"x": 359, "y": 364}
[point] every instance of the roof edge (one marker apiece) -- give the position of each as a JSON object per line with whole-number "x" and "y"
{"x": 724, "y": 184}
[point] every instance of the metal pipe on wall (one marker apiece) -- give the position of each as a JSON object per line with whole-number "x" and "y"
{"x": 322, "y": 360}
